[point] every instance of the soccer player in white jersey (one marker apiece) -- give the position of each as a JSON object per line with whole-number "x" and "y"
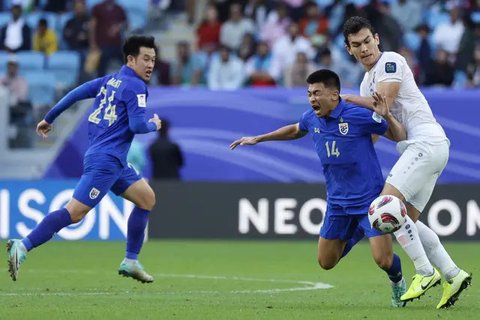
{"x": 424, "y": 155}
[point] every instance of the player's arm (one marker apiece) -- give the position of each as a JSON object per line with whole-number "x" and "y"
{"x": 388, "y": 89}
{"x": 135, "y": 97}
{"x": 87, "y": 90}
{"x": 289, "y": 132}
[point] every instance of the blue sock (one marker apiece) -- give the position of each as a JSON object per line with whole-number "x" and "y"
{"x": 137, "y": 222}
{"x": 395, "y": 271}
{"x": 52, "y": 223}
{"x": 357, "y": 236}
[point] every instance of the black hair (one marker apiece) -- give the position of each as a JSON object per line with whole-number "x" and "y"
{"x": 43, "y": 22}
{"x": 134, "y": 43}
{"x": 355, "y": 24}
{"x": 329, "y": 79}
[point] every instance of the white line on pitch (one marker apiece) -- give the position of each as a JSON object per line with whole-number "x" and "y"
{"x": 302, "y": 286}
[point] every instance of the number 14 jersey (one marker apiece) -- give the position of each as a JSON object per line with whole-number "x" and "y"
{"x": 344, "y": 145}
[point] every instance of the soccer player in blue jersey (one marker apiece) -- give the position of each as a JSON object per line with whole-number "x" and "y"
{"x": 117, "y": 114}
{"x": 342, "y": 136}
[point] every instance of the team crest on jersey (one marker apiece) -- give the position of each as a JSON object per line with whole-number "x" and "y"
{"x": 142, "y": 100}
{"x": 390, "y": 67}
{"x": 94, "y": 193}
{"x": 343, "y": 128}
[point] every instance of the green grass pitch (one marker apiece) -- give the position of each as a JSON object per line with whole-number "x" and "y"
{"x": 218, "y": 280}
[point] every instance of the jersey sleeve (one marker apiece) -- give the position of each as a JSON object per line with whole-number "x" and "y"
{"x": 135, "y": 97}
{"x": 87, "y": 90}
{"x": 391, "y": 69}
{"x": 370, "y": 122}
{"x": 303, "y": 123}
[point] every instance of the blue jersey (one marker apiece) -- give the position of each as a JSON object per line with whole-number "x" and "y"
{"x": 120, "y": 99}
{"x": 344, "y": 145}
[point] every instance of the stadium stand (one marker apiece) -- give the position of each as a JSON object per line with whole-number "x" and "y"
{"x": 65, "y": 66}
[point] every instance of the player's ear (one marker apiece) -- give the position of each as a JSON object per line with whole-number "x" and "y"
{"x": 348, "y": 49}
{"x": 377, "y": 39}
{"x": 130, "y": 58}
{"x": 335, "y": 95}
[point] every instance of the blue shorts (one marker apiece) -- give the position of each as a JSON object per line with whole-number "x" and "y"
{"x": 102, "y": 173}
{"x": 339, "y": 225}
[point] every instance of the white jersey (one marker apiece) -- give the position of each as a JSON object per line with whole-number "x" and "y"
{"x": 410, "y": 107}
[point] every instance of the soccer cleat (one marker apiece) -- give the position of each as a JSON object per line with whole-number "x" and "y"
{"x": 420, "y": 285}
{"x": 17, "y": 253}
{"x": 453, "y": 288}
{"x": 398, "y": 289}
{"x": 134, "y": 269}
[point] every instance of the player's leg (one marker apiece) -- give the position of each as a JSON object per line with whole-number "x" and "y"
{"x": 456, "y": 279}
{"x": 135, "y": 189}
{"x": 334, "y": 234}
{"x": 97, "y": 179}
{"x": 329, "y": 252}
{"x": 399, "y": 184}
{"x": 382, "y": 253}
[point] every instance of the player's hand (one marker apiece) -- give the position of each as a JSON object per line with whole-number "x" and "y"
{"x": 380, "y": 104}
{"x": 43, "y": 128}
{"x": 244, "y": 141}
{"x": 345, "y": 97}
{"x": 155, "y": 119}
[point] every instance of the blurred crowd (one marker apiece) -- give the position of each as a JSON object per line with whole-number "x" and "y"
{"x": 249, "y": 43}
{"x": 278, "y": 43}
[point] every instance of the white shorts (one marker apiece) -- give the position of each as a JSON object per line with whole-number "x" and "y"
{"x": 417, "y": 170}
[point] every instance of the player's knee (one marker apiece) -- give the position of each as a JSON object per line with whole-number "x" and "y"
{"x": 326, "y": 264}
{"x": 148, "y": 200}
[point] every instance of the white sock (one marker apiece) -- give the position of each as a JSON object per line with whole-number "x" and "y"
{"x": 129, "y": 260}
{"x": 436, "y": 252}
{"x": 408, "y": 238}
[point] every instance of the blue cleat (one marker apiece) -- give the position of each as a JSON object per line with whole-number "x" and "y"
{"x": 17, "y": 253}
{"x": 134, "y": 269}
{"x": 398, "y": 289}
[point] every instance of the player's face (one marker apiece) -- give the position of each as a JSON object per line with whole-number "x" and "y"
{"x": 323, "y": 100}
{"x": 143, "y": 64}
{"x": 363, "y": 45}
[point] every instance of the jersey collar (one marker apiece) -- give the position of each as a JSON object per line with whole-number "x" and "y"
{"x": 128, "y": 71}
{"x": 338, "y": 110}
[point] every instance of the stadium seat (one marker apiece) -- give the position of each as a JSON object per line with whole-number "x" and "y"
{"x": 30, "y": 61}
{"x": 65, "y": 65}
{"x": 3, "y": 62}
{"x": 137, "y": 13}
{"x": 33, "y": 18}
{"x": 4, "y": 18}
{"x": 41, "y": 88}
{"x": 411, "y": 40}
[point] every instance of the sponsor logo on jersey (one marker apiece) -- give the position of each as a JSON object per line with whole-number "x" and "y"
{"x": 142, "y": 100}
{"x": 94, "y": 193}
{"x": 316, "y": 130}
{"x": 343, "y": 128}
{"x": 390, "y": 67}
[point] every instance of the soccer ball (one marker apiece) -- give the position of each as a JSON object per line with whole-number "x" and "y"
{"x": 387, "y": 214}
